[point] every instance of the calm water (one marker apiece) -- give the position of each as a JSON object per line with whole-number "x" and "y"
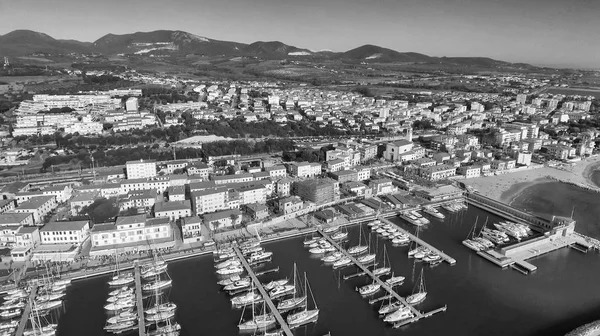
{"x": 482, "y": 299}
{"x": 595, "y": 177}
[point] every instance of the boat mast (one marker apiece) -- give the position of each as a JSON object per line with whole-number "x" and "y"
{"x": 307, "y": 285}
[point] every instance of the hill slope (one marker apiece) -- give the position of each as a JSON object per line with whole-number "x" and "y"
{"x": 25, "y": 42}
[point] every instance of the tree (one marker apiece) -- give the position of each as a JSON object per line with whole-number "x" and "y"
{"x": 234, "y": 218}
{"x": 102, "y": 210}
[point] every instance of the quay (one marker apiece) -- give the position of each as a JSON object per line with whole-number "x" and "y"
{"x": 385, "y": 286}
{"x": 27, "y": 310}
{"x": 284, "y": 326}
{"x": 139, "y": 300}
{"x": 421, "y": 242}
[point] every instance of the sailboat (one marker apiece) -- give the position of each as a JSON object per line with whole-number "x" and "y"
{"x": 418, "y": 296}
{"x": 470, "y": 243}
{"x": 358, "y": 249}
{"x": 306, "y": 315}
{"x": 120, "y": 279}
{"x": 36, "y": 325}
{"x": 383, "y": 270}
{"x": 257, "y": 322}
{"x": 294, "y": 302}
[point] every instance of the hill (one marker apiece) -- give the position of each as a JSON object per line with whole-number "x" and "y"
{"x": 372, "y": 53}
{"x": 274, "y": 49}
{"x": 26, "y": 42}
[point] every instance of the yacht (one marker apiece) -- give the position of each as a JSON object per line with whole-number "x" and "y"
{"x": 339, "y": 236}
{"x": 228, "y": 263}
{"x": 157, "y": 285}
{"x": 374, "y": 223}
{"x": 400, "y": 240}
{"x": 160, "y": 316}
{"x": 259, "y": 257}
{"x": 420, "y": 294}
{"x": 311, "y": 241}
{"x": 129, "y": 316}
{"x": 358, "y": 249}
{"x": 433, "y": 212}
{"x": 390, "y": 308}
{"x": 47, "y": 305}
{"x": 317, "y": 250}
{"x": 345, "y": 261}
{"x": 431, "y": 257}
{"x": 333, "y": 257}
{"x": 230, "y": 270}
{"x": 241, "y": 284}
{"x": 259, "y": 322}
{"x": 399, "y": 315}
{"x": 118, "y": 328}
{"x": 121, "y": 280}
{"x": 116, "y": 298}
{"x": 291, "y": 303}
{"x": 305, "y": 315}
{"x": 124, "y": 289}
{"x": 120, "y": 305}
{"x": 8, "y": 314}
{"x": 475, "y": 246}
{"x": 9, "y": 305}
{"x": 245, "y": 299}
{"x": 381, "y": 271}
{"x": 369, "y": 289}
{"x": 484, "y": 242}
{"x": 164, "y": 307}
{"x": 394, "y": 280}
{"x": 9, "y": 325}
{"x": 171, "y": 329}
{"x": 282, "y": 290}
{"x": 269, "y": 286}
{"x": 231, "y": 280}
{"x": 331, "y": 229}
{"x": 367, "y": 258}
{"x": 411, "y": 219}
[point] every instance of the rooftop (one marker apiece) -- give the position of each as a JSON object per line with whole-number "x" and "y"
{"x": 172, "y": 206}
{"x": 127, "y": 220}
{"x": 8, "y": 218}
{"x": 65, "y": 226}
{"x": 35, "y": 202}
{"x": 210, "y": 217}
{"x": 85, "y": 196}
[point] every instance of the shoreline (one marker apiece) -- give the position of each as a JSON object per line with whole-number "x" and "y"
{"x": 509, "y": 186}
{"x": 590, "y": 329}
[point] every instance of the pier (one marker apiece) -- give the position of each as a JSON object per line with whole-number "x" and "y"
{"x": 139, "y": 300}
{"x": 385, "y": 286}
{"x": 421, "y": 242}
{"x": 284, "y": 326}
{"x": 27, "y": 310}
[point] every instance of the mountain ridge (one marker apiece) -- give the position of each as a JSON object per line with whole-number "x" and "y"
{"x": 26, "y": 42}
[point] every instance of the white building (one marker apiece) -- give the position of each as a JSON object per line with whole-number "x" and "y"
{"x": 140, "y": 169}
{"x": 39, "y": 207}
{"x": 130, "y": 233}
{"x": 72, "y": 232}
{"x": 173, "y": 209}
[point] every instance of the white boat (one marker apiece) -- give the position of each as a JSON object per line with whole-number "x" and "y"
{"x": 394, "y": 280}
{"x": 47, "y": 305}
{"x": 9, "y": 305}
{"x": 9, "y": 324}
{"x": 390, "y": 307}
{"x": 305, "y": 315}
{"x": 16, "y": 296}
{"x": 164, "y": 307}
{"x": 157, "y": 285}
{"x": 241, "y": 284}
{"x": 333, "y": 257}
{"x": 431, "y": 257}
{"x": 345, "y": 261}
{"x": 411, "y": 219}
{"x": 472, "y": 245}
{"x": 419, "y": 295}
{"x": 433, "y": 212}
{"x": 374, "y": 223}
{"x": 47, "y": 330}
{"x": 15, "y": 291}
{"x": 118, "y": 328}
{"x": 231, "y": 280}
{"x": 484, "y": 242}
{"x": 8, "y": 314}
{"x": 124, "y": 289}
{"x": 160, "y": 316}
{"x": 294, "y": 302}
{"x": 331, "y": 229}
{"x": 269, "y": 286}
{"x": 400, "y": 240}
{"x": 251, "y": 250}
{"x": 366, "y": 259}
{"x": 369, "y": 289}
{"x": 120, "y": 305}
{"x": 339, "y": 236}
{"x": 116, "y": 298}
{"x": 259, "y": 322}
{"x": 227, "y": 263}
{"x": 311, "y": 241}
{"x": 171, "y": 329}
{"x": 317, "y": 250}
{"x": 209, "y": 243}
{"x": 230, "y": 270}
{"x": 130, "y": 316}
{"x": 399, "y": 315}
{"x": 358, "y": 249}
{"x": 245, "y": 299}
{"x": 259, "y": 257}
{"x": 153, "y": 271}
{"x": 282, "y": 290}
{"x": 122, "y": 281}
{"x": 62, "y": 282}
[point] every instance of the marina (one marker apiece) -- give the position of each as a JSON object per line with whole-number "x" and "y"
{"x": 27, "y": 310}
{"x": 140, "y": 301}
{"x": 392, "y": 293}
{"x": 282, "y": 322}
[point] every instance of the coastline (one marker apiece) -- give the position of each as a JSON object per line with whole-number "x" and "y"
{"x": 590, "y": 329}
{"x": 507, "y": 187}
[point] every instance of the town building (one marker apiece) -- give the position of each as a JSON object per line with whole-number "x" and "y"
{"x": 222, "y": 219}
{"x": 81, "y": 200}
{"x": 140, "y": 169}
{"x": 289, "y": 205}
{"x": 191, "y": 228}
{"x": 318, "y": 191}
{"x": 304, "y": 169}
{"x": 469, "y": 171}
{"x": 257, "y": 211}
{"x": 70, "y": 232}
{"x": 39, "y": 207}
{"x": 394, "y": 150}
{"x": 436, "y": 173}
{"x": 210, "y": 200}
{"x": 131, "y": 233}
{"x": 173, "y": 209}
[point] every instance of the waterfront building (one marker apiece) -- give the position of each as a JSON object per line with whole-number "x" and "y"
{"x": 381, "y": 187}
{"x": 255, "y": 193}
{"x": 356, "y": 188}
{"x": 209, "y": 200}
{"x": 140, "y": 169}
{"x": 191, "y": 228}
{"x": 69, "y": 232}
{"x": 446, "y": 192}
{"x": 436, "y": 173}
{"x": 559, "y": 152}
{"x": 173, "y": 209}
{"x": 27, "y": 236}
{"x": 39, "y": 207}
{"x": 290, "y": 204}
{"x": 257, "y": 211}
{"x": 469, "y": 171}
{"x": 131, "y": 233}
{"x": 222, "y": 219}
{"x": 318, "y": 191}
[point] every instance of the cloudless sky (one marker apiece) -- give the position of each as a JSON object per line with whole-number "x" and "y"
{"x": 547, "y": 32}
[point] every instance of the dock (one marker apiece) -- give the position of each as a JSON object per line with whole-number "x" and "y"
{"x": 139, "y": 300}
{"x": 421, "y": 242}
{"x": 392, "y": 293}
{"x": 27, "y": 310}
{"x": 284, "y": 326}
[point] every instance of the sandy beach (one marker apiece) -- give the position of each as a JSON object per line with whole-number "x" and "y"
{"x": 508, "y": 186}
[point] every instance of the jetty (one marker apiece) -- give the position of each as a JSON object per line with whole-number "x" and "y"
{"x": 421, "y": 242}
{"x": 391, "y": 292}
{"x": 139, "y": 300}
{"x": 284, "y": 326}
{"x": 27, "y": 310}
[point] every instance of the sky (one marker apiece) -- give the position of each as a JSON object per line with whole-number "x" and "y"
{"x": 541, "y": 32}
